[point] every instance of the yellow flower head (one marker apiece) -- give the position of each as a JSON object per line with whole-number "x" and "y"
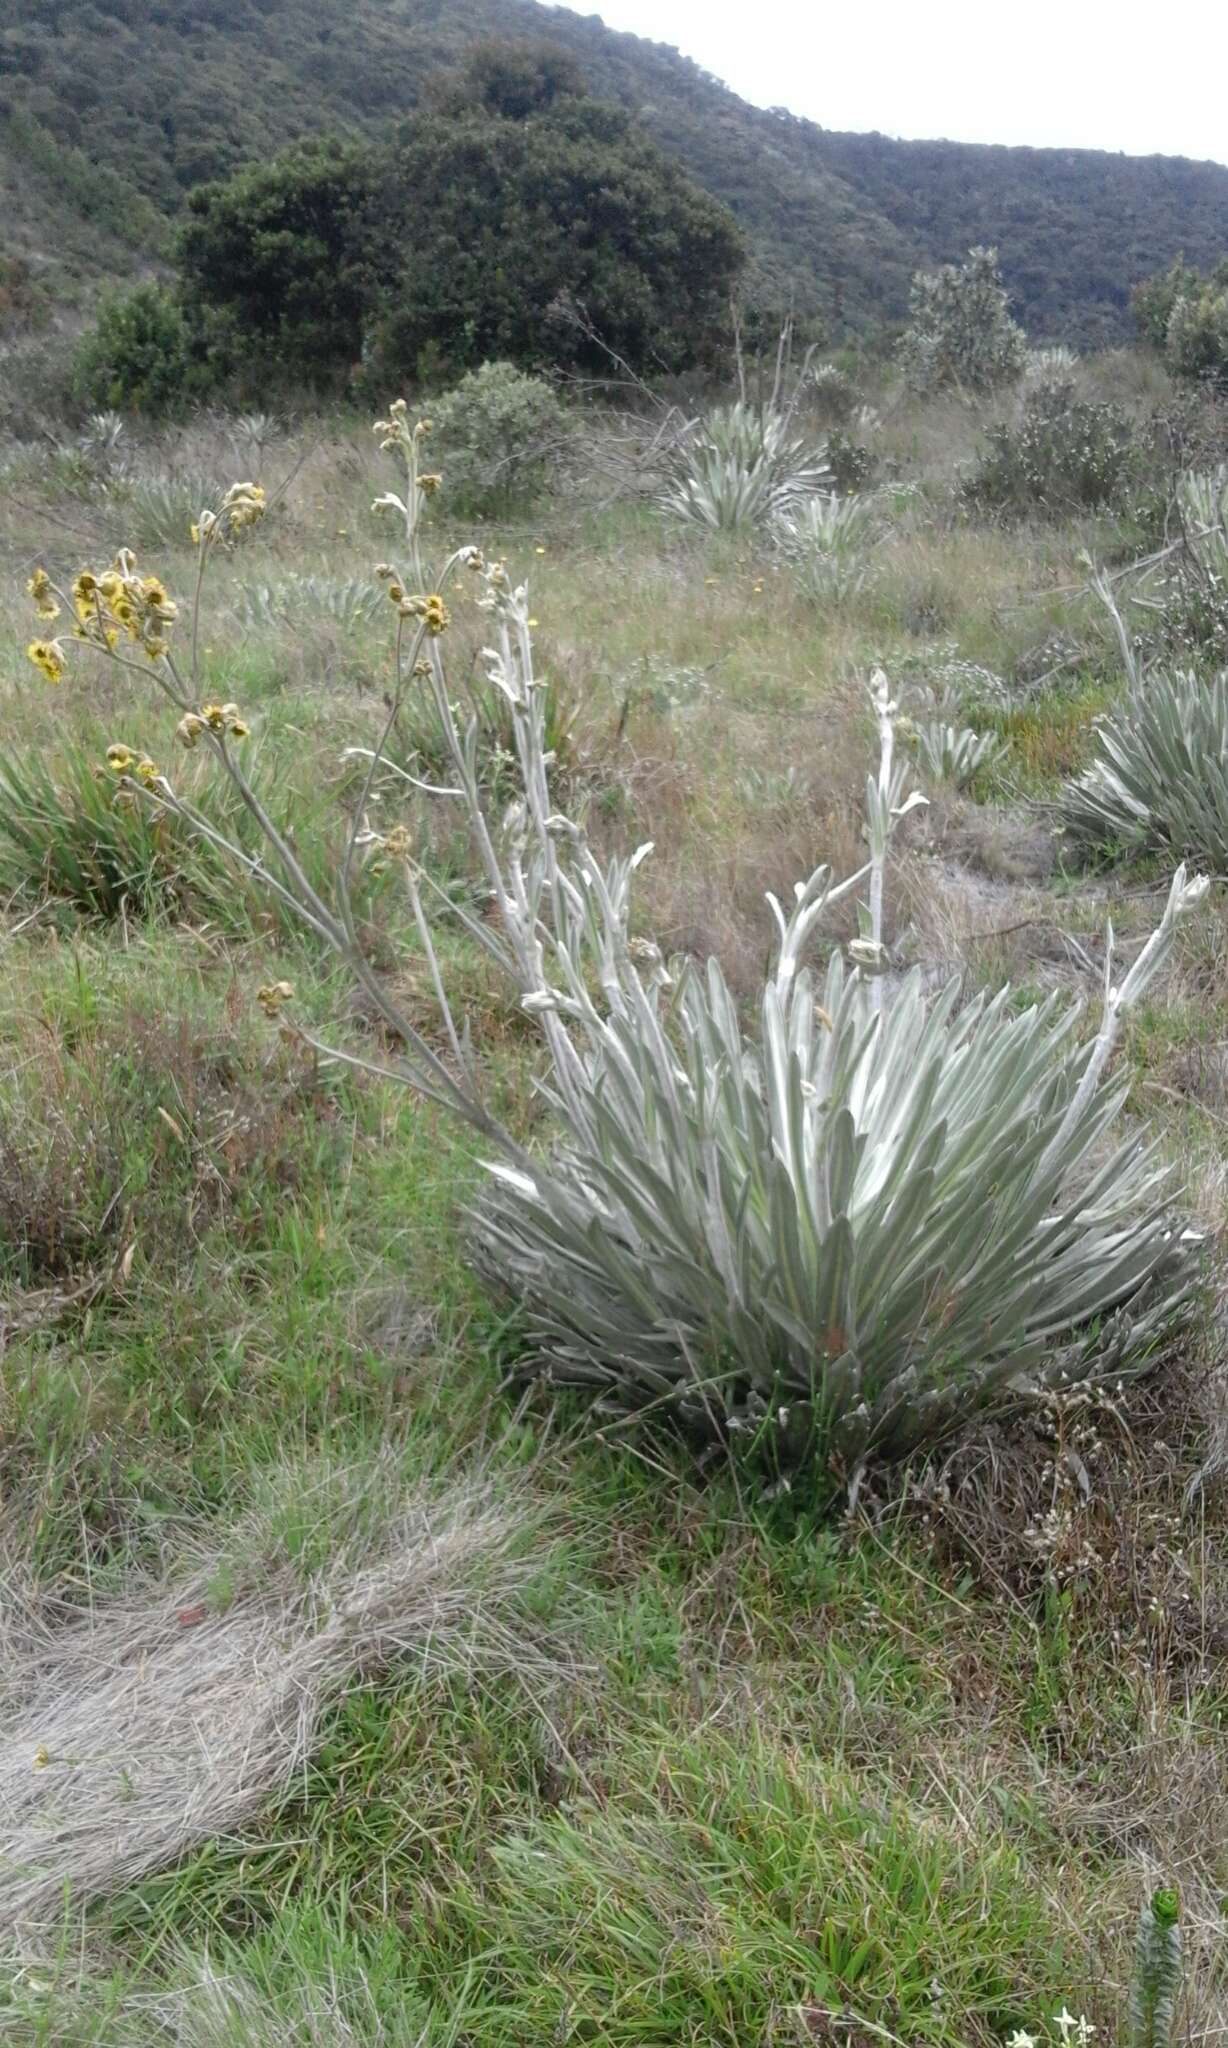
{"x": 430, "y": 483}
{"x": 42, "y": 1757}
{"x": 219, "y": 718}
{"x": 243, "y": 505}
{"x": 40, "y": 590}
{"x": 120, "y": 759}
{"x": 86, "y": 597}
{"x": 48, "y": 656}
{"x": 274, "y": 996}
{"x": 147, "y": 771}
{"x": 157, "y": 603}
{"x": 189, "y": 729}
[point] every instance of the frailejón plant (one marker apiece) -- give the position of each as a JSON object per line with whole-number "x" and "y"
{"x": 1159, "y": 778}
{"x": 828, "y": 542}
{"x": 954, "y": 753}
{"x": 833, "y": 1237}
{"x": 742, "y": 466}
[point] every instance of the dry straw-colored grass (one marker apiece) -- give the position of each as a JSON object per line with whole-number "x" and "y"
{"x": 171, "y": 1713}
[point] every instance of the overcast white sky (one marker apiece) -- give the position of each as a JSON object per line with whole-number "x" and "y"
{"x": 1052, "y": 72}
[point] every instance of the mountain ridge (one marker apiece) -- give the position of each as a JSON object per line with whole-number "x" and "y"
{"x": 90, "y": 166}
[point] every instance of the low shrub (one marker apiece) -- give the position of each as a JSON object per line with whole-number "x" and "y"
{"x": 853, "y": 466}
{"x": 1063, "y": 454}
{"x": 502, "y": 436}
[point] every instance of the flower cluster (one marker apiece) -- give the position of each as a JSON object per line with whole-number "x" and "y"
{"x": 1070, "y": 2028}
{"x": 123, "y": 761}
{"x": 499, "y": 594}
{"x": 219, "y": 719}
{"x": 119, "y": 601}
{"x": 396, "y": 432}
{"x": 242, "y": 506}
{"x": 48, "y": 656}
{"x": 430, "y": 608}
{"x": 42, "y": 590}
{"x": 106, "y": 606}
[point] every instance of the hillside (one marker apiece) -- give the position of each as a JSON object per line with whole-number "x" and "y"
{"x": 93, "y": 157}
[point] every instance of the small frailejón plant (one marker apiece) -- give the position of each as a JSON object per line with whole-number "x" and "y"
{"x": 1158, "y": 781}
{"x": 1157, "y": 1970}
{"x": 830, "y": 1239}
{"x": 828, "y": 543}
{"x": 740, "y": 467}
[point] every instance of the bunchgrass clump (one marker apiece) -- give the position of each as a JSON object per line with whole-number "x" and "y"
{"x": 170, "y": 1713}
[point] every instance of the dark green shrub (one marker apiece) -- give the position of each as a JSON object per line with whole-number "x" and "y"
{"x": 549, "y": 239}
{"x": 513, "y": 219}
{"x": 284, "y": 252}
{"x": 142, "y": 355}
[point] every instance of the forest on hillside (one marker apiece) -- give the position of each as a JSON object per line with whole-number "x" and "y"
{"x": 95, "y": 155}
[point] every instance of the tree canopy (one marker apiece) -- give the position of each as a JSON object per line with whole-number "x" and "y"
{"x": 514, "y": 218}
